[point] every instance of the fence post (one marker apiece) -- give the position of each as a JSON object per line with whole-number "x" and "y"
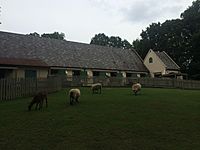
{"x": 173, "y": 85}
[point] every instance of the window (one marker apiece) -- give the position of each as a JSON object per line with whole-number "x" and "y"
{"x": 30, "y": 74}
{"x": 131, "y": 75}
{"x": 96, "y": 73}
{"x": 54, "y": 72}
{"x": 150, "y": 60}
{"x": 2, "y": 73}
{"x": 113, "y": 74}
{"x": 128, "y": 74}
{"x": 76, "y": 72}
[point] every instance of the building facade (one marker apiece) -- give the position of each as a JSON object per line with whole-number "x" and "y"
{"x": 23, "y": 56}
{"x": 160, "y": 64}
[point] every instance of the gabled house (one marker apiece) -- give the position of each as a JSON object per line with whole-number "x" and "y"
{"x": 160, "y": 64}
{"x": 24, "y": 56}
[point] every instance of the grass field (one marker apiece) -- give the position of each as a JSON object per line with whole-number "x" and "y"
{"x": 157, "y": 119}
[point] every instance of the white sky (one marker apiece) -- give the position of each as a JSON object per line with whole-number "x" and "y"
{"x": 80, "y": 20}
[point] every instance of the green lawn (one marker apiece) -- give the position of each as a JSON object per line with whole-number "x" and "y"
{"x": 157, "y": 119}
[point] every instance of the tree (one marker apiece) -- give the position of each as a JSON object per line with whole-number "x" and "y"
{"x": 55, "y": 35}
{"x": 178, "y": 37}
{"x": 141, "y": 46}
{"x": 150, "y": 38}
{"x": 191, "y": 17}
{"x": 126, "y": 44}
{"x": 113, "y": 41}
{"x": 35, "y": 34}
{"x": 170, "y": 36}
{"x": 191, "y": 20}
{"x": 100, "y": 39}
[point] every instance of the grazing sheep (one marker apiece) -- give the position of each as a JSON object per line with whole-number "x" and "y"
{"x": 38, "y": 100}
{"x": 136, "y": 88}
{"x": 74, "y": 95}
{"x": 96, "y": 88}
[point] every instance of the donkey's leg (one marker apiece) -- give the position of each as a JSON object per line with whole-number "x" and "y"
{"x": 46, "y": 102}
{"x": 41, "y": 104}
{"x": 77, "y": 99}
{"x": 71, "y": 101}
{"x": 36, "y": 105}
{"x": 100, "y": 90}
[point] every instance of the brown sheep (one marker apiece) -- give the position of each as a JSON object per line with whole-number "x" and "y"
{"x": 38, "y": 100}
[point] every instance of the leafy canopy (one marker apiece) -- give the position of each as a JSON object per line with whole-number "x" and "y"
{"x": 178, "y": 37}
{"x": 113, "y": 41}
{"x": 55, "y": 35}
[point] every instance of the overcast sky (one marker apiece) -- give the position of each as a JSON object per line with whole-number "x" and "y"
{"x": 80, "y": 20}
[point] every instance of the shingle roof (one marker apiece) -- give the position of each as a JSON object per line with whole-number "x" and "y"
{"x": 60, "y": 53}
{"x": 22, "y": 62}
{"x": 167, "y": 60}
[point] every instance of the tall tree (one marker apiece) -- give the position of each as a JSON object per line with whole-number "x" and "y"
{"x": 191, "y": 20}
{"x": 191, "y": 17}
{"x": 149, "y": 39}
{"x": 179, "y": 37}
{"x": 194, "y": 66}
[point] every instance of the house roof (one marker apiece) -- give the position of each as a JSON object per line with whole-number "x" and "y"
{"x": 167, "y": 60}
{"x": 22, "y": 62}
{"x": 61, "y": 53}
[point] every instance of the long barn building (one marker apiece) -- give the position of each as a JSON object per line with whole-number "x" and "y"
{"x": 23, "y": 56}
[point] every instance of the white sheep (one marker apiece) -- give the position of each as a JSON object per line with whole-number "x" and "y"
{"x": 96, "y": 88}
{"x": 74, "y": 95}
{"x": 136, "y": 88}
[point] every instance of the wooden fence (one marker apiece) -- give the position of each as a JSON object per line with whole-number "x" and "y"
{"x": 14, "y": 88}
{"x": 11, "y": 88}
{"x": 123, "y": 82}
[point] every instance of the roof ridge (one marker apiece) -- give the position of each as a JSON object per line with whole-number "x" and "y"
{"x": 52, "y": 39}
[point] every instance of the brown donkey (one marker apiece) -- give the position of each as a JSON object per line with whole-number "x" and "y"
{"x": 38, "y": 100}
